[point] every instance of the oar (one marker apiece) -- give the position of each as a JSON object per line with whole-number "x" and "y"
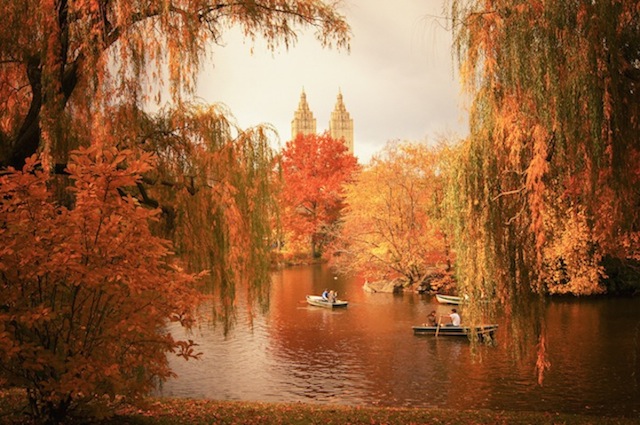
{"x": 438, "y": 327}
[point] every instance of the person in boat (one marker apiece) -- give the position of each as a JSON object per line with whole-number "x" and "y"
{"x": 431, "y": 319}
{"x": 333, "y": 296}
{"x": 455, "y": 318}
{"x": 325, "y": 295}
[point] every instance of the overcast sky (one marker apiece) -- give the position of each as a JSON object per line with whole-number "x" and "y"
{"x": 398, "y": 80}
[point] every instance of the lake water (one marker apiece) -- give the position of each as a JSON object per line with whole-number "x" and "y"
{"x": 367, "y": 354}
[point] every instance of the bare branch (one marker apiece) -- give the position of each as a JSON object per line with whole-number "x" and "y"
{"x": 508, "y": 193}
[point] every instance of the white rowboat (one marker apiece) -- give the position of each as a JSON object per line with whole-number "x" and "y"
{"x": 448, "y": 299}
{"x": 318, "y": 301}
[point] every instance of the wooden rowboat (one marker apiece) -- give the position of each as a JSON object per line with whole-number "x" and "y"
{"x": 448, "y": 299}
{"x": 318, "y": 301}
{"x": 444, "y": 330}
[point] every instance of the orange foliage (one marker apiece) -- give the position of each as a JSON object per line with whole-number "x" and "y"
{"x": 83, "y": 307}
{"x": 555, "y": 138}
{"x": 315, "y": 169}
{"x": 393, "y": 226}
{"x": 571, "y": 264}
{"x": 92, "y": 53}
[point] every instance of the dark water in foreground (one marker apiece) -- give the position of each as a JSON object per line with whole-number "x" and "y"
{"x": 367, "y": 355}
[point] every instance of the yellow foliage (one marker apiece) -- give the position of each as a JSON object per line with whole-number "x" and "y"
{"x": 393, "y": 225}
{"x": 571, "y": 256}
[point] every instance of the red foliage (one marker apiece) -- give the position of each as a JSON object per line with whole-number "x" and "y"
{"x": 315, "y": 169}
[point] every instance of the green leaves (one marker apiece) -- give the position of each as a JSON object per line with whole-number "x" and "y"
{"x": 552, "y": 131}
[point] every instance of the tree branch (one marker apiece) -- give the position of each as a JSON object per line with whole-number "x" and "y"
{"x": 508, "y": 193}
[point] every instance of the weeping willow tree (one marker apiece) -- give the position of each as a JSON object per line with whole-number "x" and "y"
{"x": 213, "y": 182}
{"x": 548, "y": 185}
{"x": 77, "y": 73}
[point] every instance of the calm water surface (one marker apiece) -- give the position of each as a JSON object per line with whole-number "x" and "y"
{"x": 367, "y": 354}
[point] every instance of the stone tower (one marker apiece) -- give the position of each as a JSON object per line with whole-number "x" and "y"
{"x": 303, "y": 121}
{"x": 341, "y": 124}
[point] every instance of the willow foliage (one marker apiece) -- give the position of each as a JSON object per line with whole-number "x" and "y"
{"x": 213, "y": 182}
{"x": 549, "y": 189}
{"x": 76, "y": 73}
{"x": 85, "y": 54}
{"x": 547, "y": 183}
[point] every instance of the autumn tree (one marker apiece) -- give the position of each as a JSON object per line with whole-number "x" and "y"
{"x": 393, "y": 226}
{"x": 213, "y": 182}
{"x": 548, "y": 180}
{"x": 62, "y": 62}
{"x": 550, "y": 196}
{"x": 83, "y": 308}
{"x": 315, "y": 169}
{"x": 79, "y": 74}
{"x": 72, "y": 73}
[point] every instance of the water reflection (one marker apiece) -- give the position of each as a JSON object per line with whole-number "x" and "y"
{"x": 367, "y": 354}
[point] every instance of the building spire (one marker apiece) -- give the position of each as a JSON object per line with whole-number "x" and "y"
{"x": 303, "y": 121}
{"x": 341, "y": 124}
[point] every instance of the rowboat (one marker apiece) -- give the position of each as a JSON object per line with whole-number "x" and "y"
{"x": 448, "y": 299}
{"x": 443, "y": 330}
{"x": 318, "y": 301}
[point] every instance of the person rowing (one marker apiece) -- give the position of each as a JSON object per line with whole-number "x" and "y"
{"x": 454, "y": 317}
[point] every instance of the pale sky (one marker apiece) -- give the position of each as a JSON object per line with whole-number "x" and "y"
{"x": 398, "y": 80}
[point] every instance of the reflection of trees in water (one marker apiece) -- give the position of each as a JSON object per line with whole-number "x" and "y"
{"x": 542, "y": 202}
{"x": 367, "y": 354}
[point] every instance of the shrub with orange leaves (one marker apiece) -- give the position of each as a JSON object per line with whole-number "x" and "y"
{"x": 86, "y": 290}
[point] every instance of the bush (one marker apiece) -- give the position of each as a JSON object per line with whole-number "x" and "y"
{"x": 87, "y": 290}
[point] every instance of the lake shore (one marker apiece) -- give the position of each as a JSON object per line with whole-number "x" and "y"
{"x": 166, "y": 411}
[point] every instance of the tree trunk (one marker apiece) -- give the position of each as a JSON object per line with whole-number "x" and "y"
{"x": 28, "y": 140}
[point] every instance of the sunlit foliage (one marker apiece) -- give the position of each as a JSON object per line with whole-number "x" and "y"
{"x": 393, "y": 227}
{"x": 86, "y": 291}
{"x": 551, "y": 166}
{"x": 72, "y": 73}
{"x": 80, "y": 74}
{"x": 548, "y": 187}
{"x": 315, "y": 170}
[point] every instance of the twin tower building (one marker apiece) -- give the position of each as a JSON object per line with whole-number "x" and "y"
{"x": 340, "y": 125}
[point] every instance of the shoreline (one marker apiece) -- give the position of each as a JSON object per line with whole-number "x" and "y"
{"x": 174, "y": 411}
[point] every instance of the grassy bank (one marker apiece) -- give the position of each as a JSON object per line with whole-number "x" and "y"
{"x": 200, "y": 412}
